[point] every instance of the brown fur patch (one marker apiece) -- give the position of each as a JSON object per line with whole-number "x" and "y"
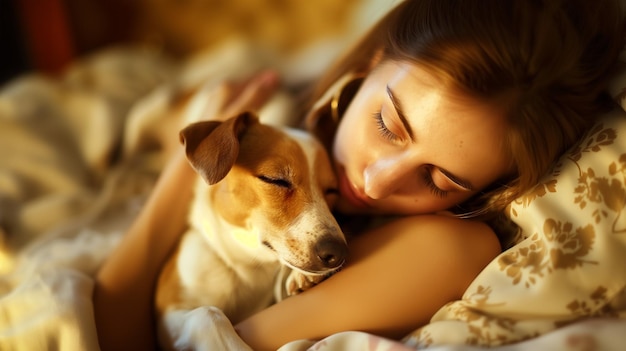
{"x": 267, "y": 153}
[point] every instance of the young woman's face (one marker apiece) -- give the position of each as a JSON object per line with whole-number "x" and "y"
{"x": 407, "y": 145}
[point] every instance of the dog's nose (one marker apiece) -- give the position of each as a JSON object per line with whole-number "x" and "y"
{"x": 331, "y": 252}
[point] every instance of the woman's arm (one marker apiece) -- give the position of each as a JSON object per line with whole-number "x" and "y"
{"x": 123, "y": 293}
{"x": 397, "y": 277}
{"x": 125, "y": 284}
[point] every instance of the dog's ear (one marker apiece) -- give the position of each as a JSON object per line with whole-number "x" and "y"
{"x": 212, "y": 147}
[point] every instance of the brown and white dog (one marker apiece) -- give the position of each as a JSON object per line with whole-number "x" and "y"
{"x": 266, "y": 206}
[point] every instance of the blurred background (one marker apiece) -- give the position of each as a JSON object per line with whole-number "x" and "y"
{"x": 78, "y": 77}
{"x": 45, "y": 35}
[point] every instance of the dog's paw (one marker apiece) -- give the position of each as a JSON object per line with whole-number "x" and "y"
{"x": 298, "y": 282}
{"x": 208, "y": 329}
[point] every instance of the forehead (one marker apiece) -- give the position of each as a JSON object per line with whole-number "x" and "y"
{"x": 262, "y": 145}
{"x": 464, "y": 135}
{"x": 267, "y": 146}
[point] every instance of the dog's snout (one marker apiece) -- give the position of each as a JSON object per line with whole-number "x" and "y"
{"x": 331, "y": 252}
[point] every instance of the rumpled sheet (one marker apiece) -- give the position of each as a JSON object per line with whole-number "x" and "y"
{"x": 64, "y": 202}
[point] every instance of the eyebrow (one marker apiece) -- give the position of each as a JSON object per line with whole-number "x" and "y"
{"x": 459, "y": 181}
{"x": 397, "y": 105}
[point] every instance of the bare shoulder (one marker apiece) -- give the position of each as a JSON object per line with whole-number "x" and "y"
{"x": 448, "y": 229}
{"x": 443, "y": 229}
{"x": 455, "y": 248}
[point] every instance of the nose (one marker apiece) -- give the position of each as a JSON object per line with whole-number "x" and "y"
{"x": 382, "y": 177}
{"x": 331, "y": 252}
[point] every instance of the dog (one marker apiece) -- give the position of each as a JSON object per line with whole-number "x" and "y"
{"x": 262, "y": 203}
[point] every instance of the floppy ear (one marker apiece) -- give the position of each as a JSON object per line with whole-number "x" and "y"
{"x": 212, "y": 147}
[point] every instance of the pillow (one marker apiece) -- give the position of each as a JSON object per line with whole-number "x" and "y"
{"x": 570, "y": 261}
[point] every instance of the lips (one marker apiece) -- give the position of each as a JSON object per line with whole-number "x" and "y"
{"x": 350, "y": 193}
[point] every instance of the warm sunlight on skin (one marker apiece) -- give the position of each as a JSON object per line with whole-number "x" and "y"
{"x": 408, "y": 145}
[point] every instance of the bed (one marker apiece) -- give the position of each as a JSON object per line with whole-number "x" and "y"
{"x": 560, "y": 287}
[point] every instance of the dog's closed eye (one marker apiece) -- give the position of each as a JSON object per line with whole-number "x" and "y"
{"x": 283, "y": 183}
{"x": 331, "y": 191}
{"x": 331, "y": 195}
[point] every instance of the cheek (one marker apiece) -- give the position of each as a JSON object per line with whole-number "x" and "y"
{"x": 356, "y": 132}
{"x": 351, "y": 145}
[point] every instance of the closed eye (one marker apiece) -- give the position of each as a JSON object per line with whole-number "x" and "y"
{"x": 283, "y": 183}
{"x": 331, "y": 191}
{"x": 331, "y": 195}
{"x": 382, "y": 127}
{"x": 428, "y": 179}
{"x": 434, "y": 188}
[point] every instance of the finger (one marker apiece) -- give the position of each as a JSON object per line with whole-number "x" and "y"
{"x": 254, "y": 94}
{"x": 236, "y": 88}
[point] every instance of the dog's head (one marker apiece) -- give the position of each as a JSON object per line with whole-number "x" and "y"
{"x": 277, "y": 183}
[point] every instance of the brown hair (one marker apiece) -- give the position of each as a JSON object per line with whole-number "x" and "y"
{"x": 545, "y": 62}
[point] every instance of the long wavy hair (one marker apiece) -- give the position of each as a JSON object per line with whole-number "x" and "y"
{"x": 544, "y": 62}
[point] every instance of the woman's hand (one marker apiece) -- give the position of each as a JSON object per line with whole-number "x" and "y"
{"x": 219, "y": 102}
{"x": 233, "y": 98}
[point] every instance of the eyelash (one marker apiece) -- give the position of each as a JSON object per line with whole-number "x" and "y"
{"x": 428, "y": 178}
{"x": 382, "y": 128}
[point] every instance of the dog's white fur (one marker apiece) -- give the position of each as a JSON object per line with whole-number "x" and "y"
{"x": 270, "y": 208}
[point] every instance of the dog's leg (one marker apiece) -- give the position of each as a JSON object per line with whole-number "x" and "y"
{"x": 204, "y": 329}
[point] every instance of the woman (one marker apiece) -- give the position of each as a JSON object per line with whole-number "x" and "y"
{"x": 443, "y": 114}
